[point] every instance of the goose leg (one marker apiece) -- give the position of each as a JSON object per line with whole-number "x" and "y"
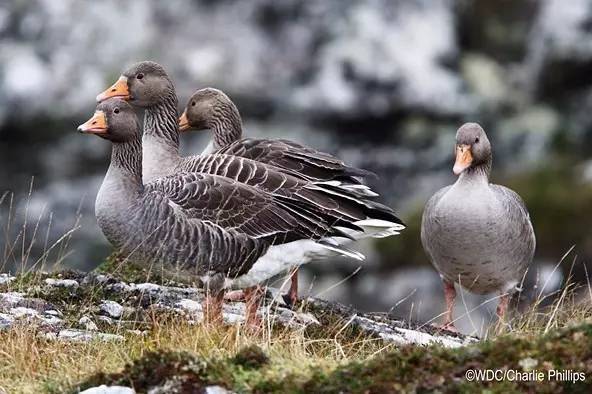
{"x": 234, "y": 296}
{"x": 449, "y": 296}
{"x": 253, "y": 296}
{"x": 292, "y": 297}
{"x": 502, "y": 307}
{"x": 214, "y": 300}
{"x": 212, "y": 307}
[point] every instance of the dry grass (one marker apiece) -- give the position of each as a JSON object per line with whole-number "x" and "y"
{"x": 31, "y": 364}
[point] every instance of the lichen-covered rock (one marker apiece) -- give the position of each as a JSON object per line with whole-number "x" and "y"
{"x": 95, "y": 307}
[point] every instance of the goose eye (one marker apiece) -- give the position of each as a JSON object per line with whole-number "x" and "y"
{"x": 193, "y": 103}
{"x": 477, "y": 140}
{"x": 140, "y": 76}
{"x": 116, "y": 111}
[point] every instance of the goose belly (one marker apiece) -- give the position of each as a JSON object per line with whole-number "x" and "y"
{"x": 478, "y": 249}
{"x": 280, "y": 258}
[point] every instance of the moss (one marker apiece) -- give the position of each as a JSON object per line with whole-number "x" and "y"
{"x": 251, "y": 357}
{"x": 186, "y": 372}
{"x": 407, "y": 369}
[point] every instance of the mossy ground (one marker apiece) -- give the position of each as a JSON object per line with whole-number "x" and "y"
{"x": 333, "y": 357}
{"x": 407, "y": 369}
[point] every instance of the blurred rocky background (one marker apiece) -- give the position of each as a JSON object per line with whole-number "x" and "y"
{"x": 383, "y": 84}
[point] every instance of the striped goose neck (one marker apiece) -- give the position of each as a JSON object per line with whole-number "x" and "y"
{"x": 226, "y": 124}
{"x": 160, "y": 120}
{"x": 127, "y": 157}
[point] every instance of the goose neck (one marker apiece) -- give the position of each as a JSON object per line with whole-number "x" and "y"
{"x": 476, "y": 175}
{"x": 160, "y": 120}
{"x": 226, "y": 125}
{"x": 126, "y": 165}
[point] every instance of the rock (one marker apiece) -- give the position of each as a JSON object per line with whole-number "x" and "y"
{"x": 217, "y": 390}
{"x": 87, "y": 323}
{"x": 6, "y": 278}
{"x": 103, "y": 389}
{"x": 23, "y": 311}
{"x": 111, "y": 309}
{"x": 186, "y": 302}
{"x": 67, "y": 283}
{"x": 86, "y": 336}
{"x": 8, "y": 300}
{"x": 6, "y": 321}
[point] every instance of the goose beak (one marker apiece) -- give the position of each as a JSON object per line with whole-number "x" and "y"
{"x": 184, "y": 122}
{"x": 464, "y": 158}
{"x": 95, "y": 125}
{"x": 118, "y": 89}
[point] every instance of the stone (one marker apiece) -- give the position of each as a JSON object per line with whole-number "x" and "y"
{"x": 67, "y": 283}
{"x": 111, "y": 309}
{"x": 103, "y": 389}
{"x": 87, "y": 323}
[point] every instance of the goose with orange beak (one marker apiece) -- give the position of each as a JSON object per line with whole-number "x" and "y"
{"x": 211, "y": 109}
{"x": 351, "y": 211}
{"x": 477, "y": 235}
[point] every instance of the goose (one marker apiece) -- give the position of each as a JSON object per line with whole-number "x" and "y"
{"x": 477, "y": 234}
{"x": 147, "y": 85}
{"x": 227, "y": 233}
{"x": 212, "y": 109}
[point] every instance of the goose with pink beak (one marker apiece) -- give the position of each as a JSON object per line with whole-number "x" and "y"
{"x": 477, "y": 235}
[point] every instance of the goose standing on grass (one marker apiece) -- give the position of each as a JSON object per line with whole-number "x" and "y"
{"x": 225, "y": 232}
{"x": 211, "y": 109}
{"x": 477, "y": 234}
{"x": 147, "y": 85}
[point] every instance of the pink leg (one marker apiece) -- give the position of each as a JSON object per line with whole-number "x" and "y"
{"x": 234, "y": 296}
{"x": 502, "y": 307}
{"x": 293, "y": 294}
{"x": 449, "y": 296}
{"x": 212, "y": 308}
{"x": 253, "y": 297}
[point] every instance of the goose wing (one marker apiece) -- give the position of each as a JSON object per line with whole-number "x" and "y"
{"x": 334, "y": 202}
{"x": 236, "y": 206}
{"x": 517, "y": 213}
{"x": 296, "y": 159}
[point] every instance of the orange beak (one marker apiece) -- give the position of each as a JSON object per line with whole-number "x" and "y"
{"x": 95, "y": 125}
{"x": 184, "y": 122}
{"x": 464, "y": 158}
{"x": 118, "y": 89}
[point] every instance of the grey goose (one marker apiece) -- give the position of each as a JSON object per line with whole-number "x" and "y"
{"x": 212, "y": 109}
{"x": 228, "y": 233}
{"x": 147, "y": 85}
{"x": 477, "y": 234}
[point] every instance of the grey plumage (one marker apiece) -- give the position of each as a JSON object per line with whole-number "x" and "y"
{"x": 212, "y": 109}
{"x": 201, "y": 223}
{"x": 476, "y": 233}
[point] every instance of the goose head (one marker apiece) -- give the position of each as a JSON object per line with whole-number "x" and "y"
{"x": 473, "y": 148}
{"x": 204, "y": 108}
{"x": 144, "y": 84}
{"x": 114, "y": 120}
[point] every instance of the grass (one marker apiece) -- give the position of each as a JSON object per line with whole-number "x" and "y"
{"x": 328, "y": 359}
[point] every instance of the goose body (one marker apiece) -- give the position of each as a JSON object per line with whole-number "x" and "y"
{"x": 477, "y": 234}
{"x": 211, "y": 109}
{"x": 346, "y": 204}
{"x": 226, "y": 232}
